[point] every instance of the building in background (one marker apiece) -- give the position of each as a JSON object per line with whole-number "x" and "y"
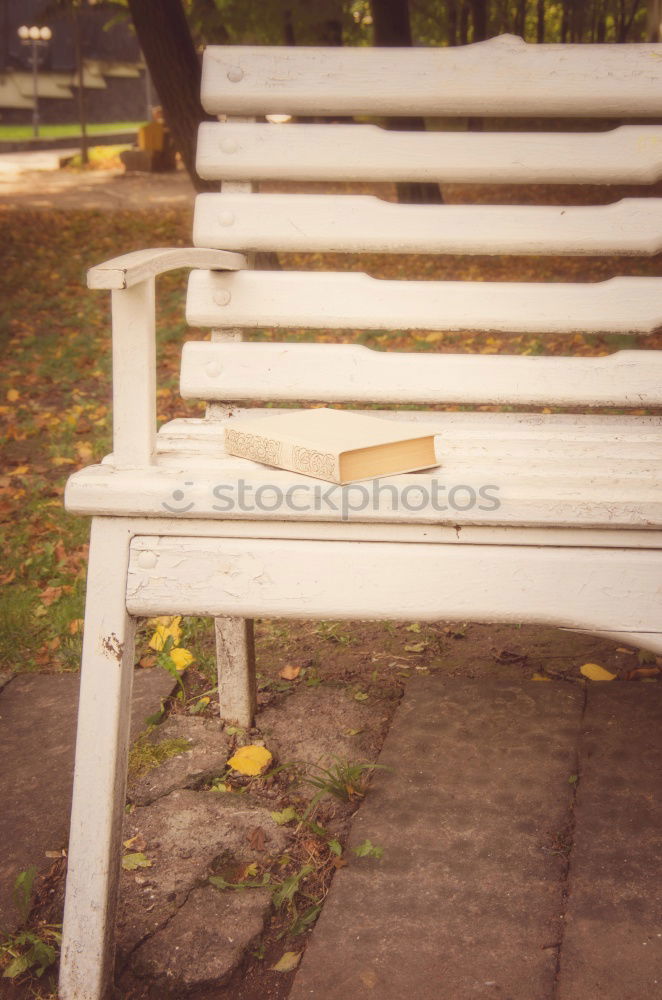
{"x": 114, "y": 77}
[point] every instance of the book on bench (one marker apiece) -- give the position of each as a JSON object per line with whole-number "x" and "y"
{"x": 335, "y": 445}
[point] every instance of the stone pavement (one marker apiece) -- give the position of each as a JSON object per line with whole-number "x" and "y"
{"x": 32, "y": 180}
{"x": 37, "y": 732}
{"x": 521, "y": 828}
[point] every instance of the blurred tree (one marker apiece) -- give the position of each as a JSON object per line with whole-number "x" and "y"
{"x": 165, "y": 38}
{"x": 391, "y": 27}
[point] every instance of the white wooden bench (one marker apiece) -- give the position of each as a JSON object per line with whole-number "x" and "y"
{"x": 575, "y": 537}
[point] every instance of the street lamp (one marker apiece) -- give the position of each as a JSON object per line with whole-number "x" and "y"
{"x": 36, "y": 38}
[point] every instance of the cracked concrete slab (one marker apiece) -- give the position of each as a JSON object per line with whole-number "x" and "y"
{"x": 204, "y": 942}
{"x": 206, "y": 758}
{"x": 612, "y": 947}
{"x": 37, "y": 736}
{"x": 185, "y": 835}
{"x": 466, "y": 899}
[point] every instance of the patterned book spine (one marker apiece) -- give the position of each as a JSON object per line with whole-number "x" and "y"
{"x": 271, "y": 451}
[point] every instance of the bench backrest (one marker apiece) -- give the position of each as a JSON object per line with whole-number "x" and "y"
{"x": 503, "y": 78}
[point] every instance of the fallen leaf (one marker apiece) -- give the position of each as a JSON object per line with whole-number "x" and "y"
{"x": 361, "y": 696}
{"x": 200, "y": 705}
{"x": 220, "y": 786}
{"x": 138, "y": 842}
{"x": 147, "y": 661}
{"x": 250, "y": 760}
{"x": 288, "y": 814}
{"x": 12, "y": 395}
{"x": 50, "y": 595}
{"x": 415, "y": 627}
{"x": 257, "y": 839}
{"x": 287, "y": 962}
{"x": 368, "y": 850}
{"x": 182, "y": 658}
{"x": 75, "y": 626}
{"x": 540, "y": 677}
{"x": 595, "y": 672}
{"x": 132, "y": 861}
{"x": 642, "y": 673}
{"x": 290, "y": 672}
{"x": 416, "y": 647}
{"x": 164, "y": 632}
{"x": 84, "y": 451}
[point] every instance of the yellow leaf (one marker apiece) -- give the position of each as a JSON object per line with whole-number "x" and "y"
{"x": 595, "y": 672}
{"x": 290, "y": 672}
{"x": 540, "y": 677}
{"x": 164, "y": 632}
{"x": 288, "y": 961}
{"x": 12, "y": 395}
{"x": 250, "y": 760}
{"x": 181, "y": 658}
{"x": 84, "y": 451}
{"x": 61, "y": 460}
{"x": 20, "y": 470}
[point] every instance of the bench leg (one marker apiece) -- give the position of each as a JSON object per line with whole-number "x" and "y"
{"x": 235, "y": 658}
{"x": 86, "y": 967}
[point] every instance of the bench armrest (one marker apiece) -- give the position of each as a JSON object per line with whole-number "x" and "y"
{"x": 130, "y": 279}
{"x": 132, "y": 268}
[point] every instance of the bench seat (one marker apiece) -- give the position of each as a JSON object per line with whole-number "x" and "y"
{"x": 512, "y": 469}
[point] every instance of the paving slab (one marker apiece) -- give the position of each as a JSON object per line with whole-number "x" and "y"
{"x": 467, "y": 898}
{"x": 37, "y": 737}
{"x": 612, "y": 947}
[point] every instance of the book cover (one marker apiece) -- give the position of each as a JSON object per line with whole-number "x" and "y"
{"x": 335, "y": 445}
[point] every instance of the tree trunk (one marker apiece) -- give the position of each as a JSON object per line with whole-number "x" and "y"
{"x": 452, "y": 22}
{"x": 625, "y": 19}
{"x": 479, "y": 19}
{"x": 165, "y": 39}
{"x": 540, "y": 27}
{"x": 520, "y": 23}
{"x": 391, "y": 25}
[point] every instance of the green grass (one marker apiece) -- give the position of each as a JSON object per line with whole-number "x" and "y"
{"x": 9, "y": 133}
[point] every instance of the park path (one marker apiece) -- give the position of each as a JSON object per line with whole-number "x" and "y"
{"x": 33, "y": 181}
{"x": 521, "y": 830}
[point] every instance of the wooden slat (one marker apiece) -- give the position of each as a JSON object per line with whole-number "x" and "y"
{"x": 357, "y": 223}
{"x": 348, "y": 372}
{"x": 503, "y": 76}
{"x": 467, "y": 432}
{"x": 308, "y": 579}
{"x": 594, "y": 450}
{"x": 631, "y": 154}
{"x": 190, "y": 489}
{"x": 350, "y": 300}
